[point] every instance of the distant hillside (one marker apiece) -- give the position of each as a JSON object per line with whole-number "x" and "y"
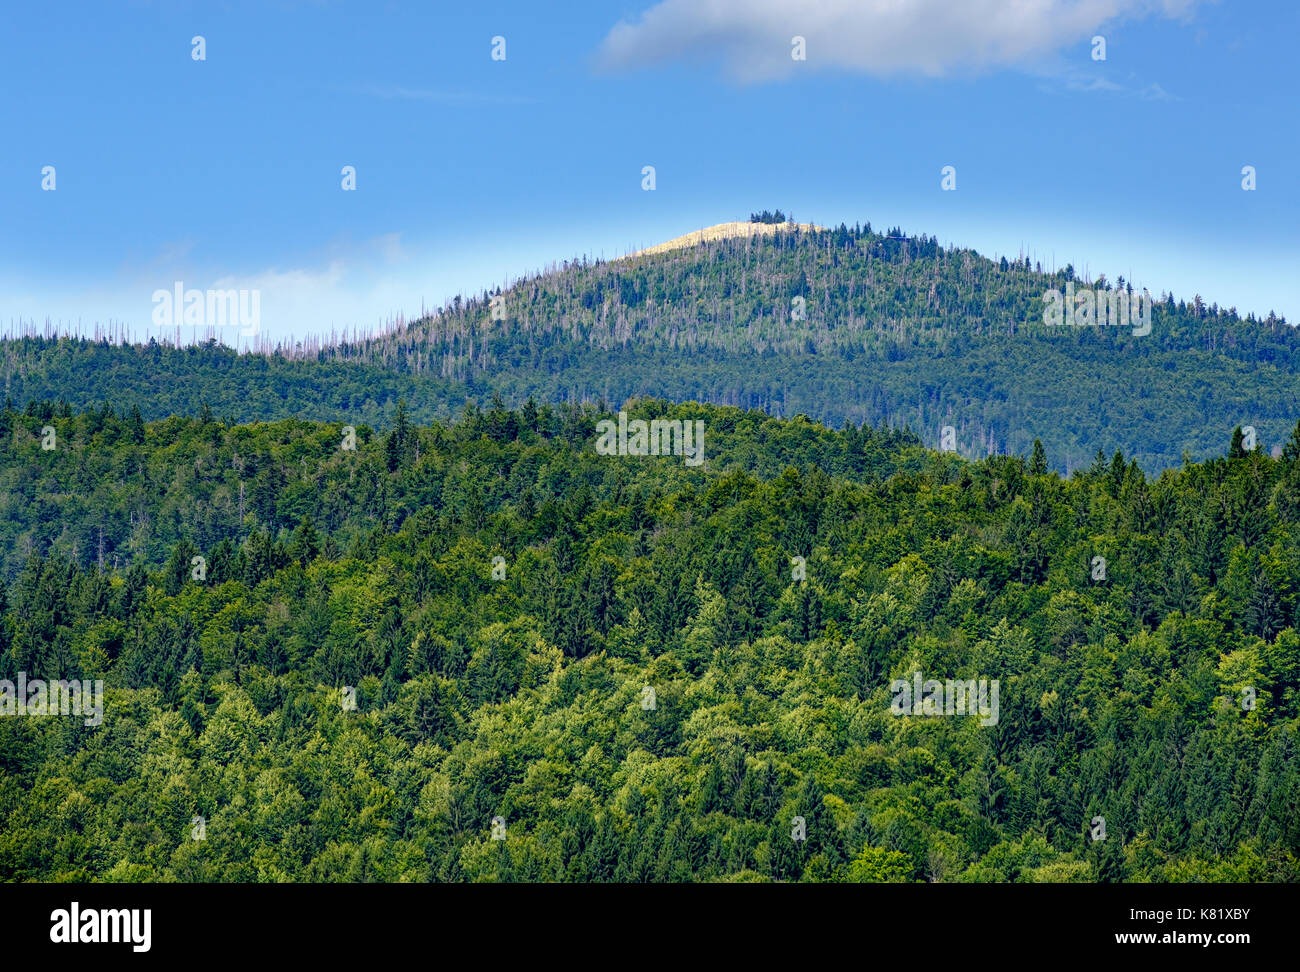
{"x": 118, "y": 488}
{"x": 843, "y": 324}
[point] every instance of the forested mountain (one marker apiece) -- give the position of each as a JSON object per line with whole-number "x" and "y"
{"x": 842, "y": 324}
{"x": 569, "y": 666}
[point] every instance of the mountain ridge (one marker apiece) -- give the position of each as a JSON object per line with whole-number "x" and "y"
{"x": 723, "y": 231}
{"x": 843, "y": 325}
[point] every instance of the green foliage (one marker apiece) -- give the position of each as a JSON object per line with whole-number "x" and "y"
{"x": 521, "y": 693}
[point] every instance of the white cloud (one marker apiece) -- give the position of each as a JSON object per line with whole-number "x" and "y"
{"x": 358, "y": 289}
{"x": 359, "y": 285}
{"x": 751, "y": 39}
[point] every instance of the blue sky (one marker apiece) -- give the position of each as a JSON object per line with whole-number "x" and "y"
{"x": 472, "y": 171}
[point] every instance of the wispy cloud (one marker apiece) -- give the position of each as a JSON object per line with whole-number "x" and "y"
{"x": 441, "y": 97}
{"x": 752, "y": 39}
{"x": 1092, "y": 84}
{"x": 1131, "y": 86}
{"x": 1153, "y": 92}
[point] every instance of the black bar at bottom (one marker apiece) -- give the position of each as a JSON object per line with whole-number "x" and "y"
{"x": 221, "y": 922}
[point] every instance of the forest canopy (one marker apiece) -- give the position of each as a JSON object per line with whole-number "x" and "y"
{"x": 478, "y": 651}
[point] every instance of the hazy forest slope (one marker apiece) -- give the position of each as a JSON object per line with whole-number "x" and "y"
{"x": 840, "y": 325}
